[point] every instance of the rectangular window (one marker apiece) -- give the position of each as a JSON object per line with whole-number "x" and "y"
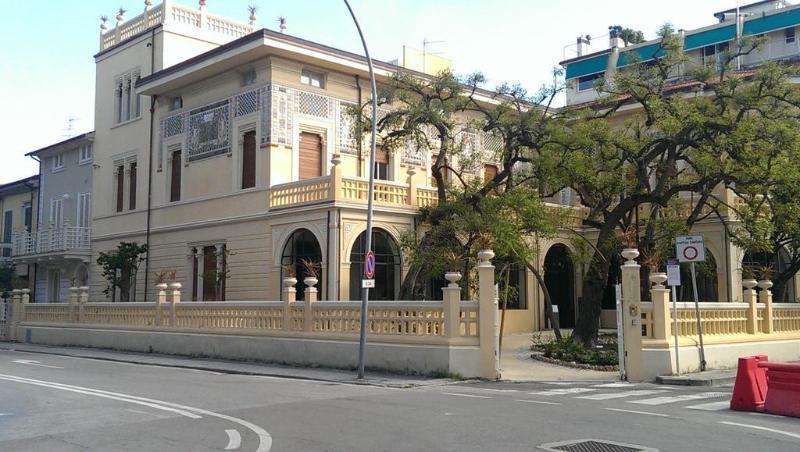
{"x": 587, "y": 81}
{"x": 118, "y": 101}
{"x": 312, "y": 78}
{"x": 248, "y": 77}
{"x": 127, "y": 102}
{"x": 176, "y": 103}
{"x": 85, "y": 154}
{"x": 57, "y": 212}
{"x": 27, "y": 215}
{"x": 249, "y": 160}
{"x": 175, "y": 177}
{"x": 138, "y": 110}
{"x": 381, "y": 164}
{"x": 53, "y": 286}
{"x": 120, "y": 188}
{"x": 214, "y": 273}
{"x": 788, "y": 35}
{"x": 84, "y": 217}
{"x": 58, "y": 162}
{"x": 128, "y": 97}
{"x": 8, "y": 222}
{"x": 565, "y": 196}
{"x": 132, "y": 187}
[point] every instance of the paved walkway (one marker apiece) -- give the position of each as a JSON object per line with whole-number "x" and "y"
{"x": 516, "y": 364}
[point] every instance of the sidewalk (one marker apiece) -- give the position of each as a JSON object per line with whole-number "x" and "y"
{"x": 232, "y": 367}
{"x": 516, "y": 364}
{"x": 717, "y": 377}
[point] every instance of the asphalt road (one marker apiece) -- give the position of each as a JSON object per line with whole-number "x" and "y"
{"x": 50, "y": 402}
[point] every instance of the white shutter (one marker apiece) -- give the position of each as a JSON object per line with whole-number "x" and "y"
{"x": 57, "y": 212}
{"x": 84, "y": 217}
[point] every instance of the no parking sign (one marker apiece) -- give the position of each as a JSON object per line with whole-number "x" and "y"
{"x": 690, "y": 248}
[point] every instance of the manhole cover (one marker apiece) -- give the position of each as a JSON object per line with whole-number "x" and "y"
{"x": 594, "y": 445}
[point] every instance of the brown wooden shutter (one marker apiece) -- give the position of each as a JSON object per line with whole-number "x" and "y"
{"x": 175, "y": 177}
{"x": 120, "y": 188}
{"x": 489, "y": 172}
{"x": 310, "y": 155}
{"x": 132, "y": 205}
{"x": 249, "y": 160}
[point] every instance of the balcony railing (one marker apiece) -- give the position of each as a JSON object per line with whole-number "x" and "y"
{"x": 5, "y": 252}
{"x": 51, "y": 240}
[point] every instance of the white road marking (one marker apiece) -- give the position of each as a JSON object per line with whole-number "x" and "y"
{"x": 561, "y": 383}
{"x": 637, "y": 412}
{"x": 264, "y": 438}
{"x": 459, "y": 394}
{"x": 31, "y": 362}
{"x": 147, "y": 413}
{"x": 496, "y": 390}
{"x": 620, "y": 395}
{"x": 234, "y": 439}
{"x": 5, "y": 414}
{"x": 766, "y": 429}
{"x": 621, "y": 384}
{"x": 680, "y": 398}
{"x": 566, "y": 391}
{"x": 537, "y": 401}
{"x": 712, "y": 406}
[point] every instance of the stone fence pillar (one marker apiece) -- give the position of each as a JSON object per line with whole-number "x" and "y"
{"x": 661, "y": 315}
{"x": 765, "y": 297}
{"x": 412, "y": 186}
{"x": 73, "y": 304}
{"x": 308, "y": 304}
{"x": 83, "y": 298}
{"x": 488, "y": 327}
{"x": 336, "y": 177}
{"x": 451, "y": 296}
{"x": 751, "y": 298}
{"x": 632, "y": 315}
{"x": 173, "y": 303}
{"x": 289, "y": 296}
{"x": 16, "y": 316}
{"x": 161, "y": 300}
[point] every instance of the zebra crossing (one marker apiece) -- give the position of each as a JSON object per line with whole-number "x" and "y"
{"x": 638, "y": 395}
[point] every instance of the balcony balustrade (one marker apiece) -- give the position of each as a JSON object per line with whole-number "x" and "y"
{"x": 51, "y": 240}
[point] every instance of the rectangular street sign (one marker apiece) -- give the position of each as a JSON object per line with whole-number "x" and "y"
{"x": 673, "y": 272}
{"x": 690, "y": 248}
{"x": 367, "y": 283}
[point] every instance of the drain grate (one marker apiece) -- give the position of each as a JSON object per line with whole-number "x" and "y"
{"x": 594, "y": 445}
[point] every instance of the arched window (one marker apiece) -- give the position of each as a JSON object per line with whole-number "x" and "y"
{"x": 517, "y": 295}
{"x": 302, "y": 244}
{"x": 387, "y": 266}
{"x": 559, "y": 277}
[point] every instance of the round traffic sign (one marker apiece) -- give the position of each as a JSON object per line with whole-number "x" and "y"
{"x": 369, "y": 265}
{"x": 690, "y": 253}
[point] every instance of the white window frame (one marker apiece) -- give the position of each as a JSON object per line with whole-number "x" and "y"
{"x": 83, "y": 213}
{"x": 127, "y": 102}
{"x": 85, "y": 154}
{"x": 787, "y": 38}
{"x": 309, "y": 76}
{"x": 594, "y": 76}
{"x": 58, "y": 162}
{"x": 57, "y": 212}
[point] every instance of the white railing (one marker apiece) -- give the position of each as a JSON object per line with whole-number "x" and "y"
{"x": 180, "y": 15}
{"x": 66, "y": 238}
{"x": 5, "y": 251}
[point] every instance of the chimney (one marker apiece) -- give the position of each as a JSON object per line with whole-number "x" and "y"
{"x": 584, "y": 43}
{"x": 614, "y": 41}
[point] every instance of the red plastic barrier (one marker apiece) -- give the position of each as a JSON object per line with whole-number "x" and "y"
{"x": 750, "y": 389}
{"x": 783, "y": 396}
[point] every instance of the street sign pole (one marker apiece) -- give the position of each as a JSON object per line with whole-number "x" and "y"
{"x": 674, "y": 280}
{"x": 699, "y": 323}
{"x": 362, "y": 339}
{"x": 620, "y": 334}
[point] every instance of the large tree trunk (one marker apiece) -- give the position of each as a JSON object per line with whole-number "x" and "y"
{"x": 548, "y": 303}
{"x": 587, "y": 325}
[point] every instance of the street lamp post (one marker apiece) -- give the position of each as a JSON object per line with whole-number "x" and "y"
{"x": 362, "y": 341}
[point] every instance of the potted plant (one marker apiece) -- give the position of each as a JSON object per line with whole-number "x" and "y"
{"x": 453, "y": 265}
{"x": 654, "y": 262}
{"x": 629, "y": 238}
{"x": 749, "y": 277}
{"x": 163, "y": 278}
{"x": 311, "y": 270}
{"x": 484, "y": 244}
{"x": 764, "y": 274}
{"x": 289, "y": 275}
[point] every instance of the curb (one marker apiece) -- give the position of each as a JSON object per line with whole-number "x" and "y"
{"x": 678, "y": 380}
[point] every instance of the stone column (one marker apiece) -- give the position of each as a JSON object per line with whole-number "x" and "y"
{"x": 751, "y": 298}
{"x": 173, "y": 303}
{"x": 632, "y": 315}
{"x": 161, "y": 299}
{"x": 289, "y": 295}
{"x": 412, "y": 186}
{"x": 73, "y": 303}
{"x": 765, "y": 297}
{"x": 336, "y": 177}
{"x": 661, "y": 316}
{"x": 308, "y": 304}
{"x": 16, "y": 316}
{"x": 488, "y": 327}
{"x": 452, "y": 306}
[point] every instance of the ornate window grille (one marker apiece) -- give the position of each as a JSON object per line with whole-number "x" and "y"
{"x": 209, "y": 131}
{"x": 247, "y": 102}
{"x": 314, "y": 104}
{"x": 346, "y": 123}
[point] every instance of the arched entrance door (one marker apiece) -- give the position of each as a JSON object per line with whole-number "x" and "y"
{"x": 706, "y": 274}
{"x": 387, "y": 266}
{"x": 302, "y": 244}
{"x": 559, "y": 279}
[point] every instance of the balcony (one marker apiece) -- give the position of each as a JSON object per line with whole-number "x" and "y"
{"x": 66, "y": 241}
{"x": 347, "y": 189}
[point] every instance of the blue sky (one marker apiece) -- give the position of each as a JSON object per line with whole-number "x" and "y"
{"x": 47, "y": 69}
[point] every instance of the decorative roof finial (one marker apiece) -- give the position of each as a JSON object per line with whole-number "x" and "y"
{"x": 103, "y": 20}
{"x": 202, "y": 4}
{"x": 121, "y": 15}
{"x": 282, "y": 22}
{"x": 253, "y": 16}
{"x": 148, "y": 4}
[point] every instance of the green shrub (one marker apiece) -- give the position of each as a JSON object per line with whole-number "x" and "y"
{"x": 570, "y": 350}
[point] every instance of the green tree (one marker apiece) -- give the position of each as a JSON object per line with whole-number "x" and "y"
{"x": 120, "y": 267}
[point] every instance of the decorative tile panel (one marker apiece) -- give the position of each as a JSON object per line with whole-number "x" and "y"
{"x": 209, "y": 131}
{"x": 247, "y": 102}
{"x": 348, "y": 144}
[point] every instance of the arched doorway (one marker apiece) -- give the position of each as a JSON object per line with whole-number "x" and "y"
{"x": 706, "y": 274}
{"x": 81, "y": 276}
{"x": 302, "y": 244}
{"x": 387, "y": 266}
{"x": 559, "y": 279}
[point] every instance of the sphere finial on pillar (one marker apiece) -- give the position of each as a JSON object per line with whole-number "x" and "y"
{"x": 121, "y": 15}
{"x": 103, "y": 26}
